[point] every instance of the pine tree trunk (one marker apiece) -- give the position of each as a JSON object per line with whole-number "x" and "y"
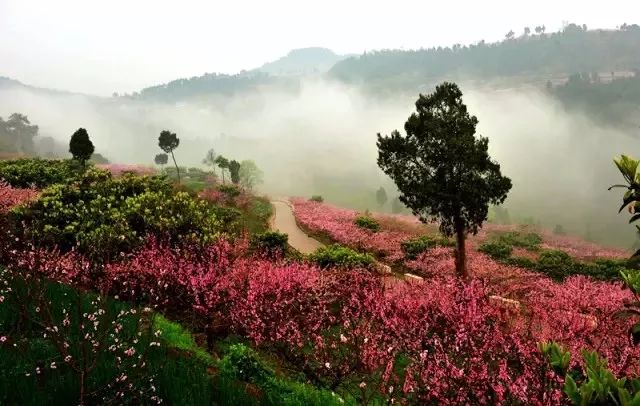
{"x": 461, "y": 255}
{"x": 174, "y": 162}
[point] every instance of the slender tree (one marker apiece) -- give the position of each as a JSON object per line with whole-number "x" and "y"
{"x": 442, "y": 170}
{"x": 210, "y": 160}
{"x": 81, "y": 147}
{"x": 223, "y": 163}
{"x": 168, "y": 141}
{"x": 234, "y": 171}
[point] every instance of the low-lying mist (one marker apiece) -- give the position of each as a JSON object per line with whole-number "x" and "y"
{"x": 319, "y": 138}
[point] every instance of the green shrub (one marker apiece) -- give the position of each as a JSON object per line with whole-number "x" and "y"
{"x": 556, "y": 264}
{"x": 230, "y": 219}
{"x": 243, "y": 363}
{"x": 339, "y": 256}
{"x": 230, "y": 191}
{"x": 270, "y": 243}
{"x": 367, "y": 223}
{"x": 40, "y": 173}
{"x": 593, "y": 383}
{"x": 414, "y": 247}
{"x": 102, "y": 216}
{"x": 496, "y": 250}
{"x": 317, "y": 198}
{"x": 529, "y": 241}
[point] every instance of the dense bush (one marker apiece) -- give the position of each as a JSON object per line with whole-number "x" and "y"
{"x": 39, "y": 173}
{"x": 102, "y": 216}
{"x": 556, "y": 264}
{"x": 527, "y": 240}
{"x": 367, "y": 223}
{"x": 413, "y": 247}
{"x": 496, "y": 250}
{"x": 317, "y": 198}
{"x": 559, "y": 265}
{"x": 342, "y": 257}
{"x": 270, "y": 243}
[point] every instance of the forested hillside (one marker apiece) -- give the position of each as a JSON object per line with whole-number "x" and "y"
{"x": 575, "y": 49}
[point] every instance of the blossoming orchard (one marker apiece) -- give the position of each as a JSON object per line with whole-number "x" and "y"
{"x": 129, "y": 284}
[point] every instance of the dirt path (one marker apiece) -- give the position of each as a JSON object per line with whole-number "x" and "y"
{"x": 284, "y": 222}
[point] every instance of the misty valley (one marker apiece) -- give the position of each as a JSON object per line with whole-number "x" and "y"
{"x": 445, "y": 225}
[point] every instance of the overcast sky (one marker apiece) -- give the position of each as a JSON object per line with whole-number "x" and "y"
{"x": 100, "y": 47}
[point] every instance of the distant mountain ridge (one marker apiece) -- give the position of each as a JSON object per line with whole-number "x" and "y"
{"x": 539, "y": 57}
{"x": 303, "y": 61}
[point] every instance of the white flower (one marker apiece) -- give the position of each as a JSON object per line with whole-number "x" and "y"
{"x": 327, "y": 365}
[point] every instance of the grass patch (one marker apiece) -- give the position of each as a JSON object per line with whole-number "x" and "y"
{"x": 257, "y": 215}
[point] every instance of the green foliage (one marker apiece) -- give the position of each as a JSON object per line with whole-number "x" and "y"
{"x": 570, "y": 50}
{"x": 250, "y": 174}
{"x": 271, "y": 243}
{"x": 613, "y": 102}
{"x": 223, "y": 163}
{"x": 496, "y": 249}
{"x": 168, "y": 142}
{"x": 556, "y": 264}
{"x": 558, "y": 357}
{"x": 628, "y": 167}
{"x": 230, "y": 191}
{"x": 102, "y": 216}
{"x": 234, "y": 171}
{"x": 341, "y": 257}
{"x": 176, "y": 336}
{"x": 80, "y": 146}
{"x": 412, "y": 248}
{"x": 526, "y": 240}
{"x": 17, "y": 134}
{"x": 178, "y": 367}
{"x": 317, "y": 198}
{"x": 366, "y": 222}
{"x": 36, "y": 172}
{"x": 241, "y": 363}
{"x": 258, "y": 214}
{"x": 230, "y": 219}
{"x": 161, "y": 159}
{"x": 595, "y": 384}
{"x": 442, "y": 170}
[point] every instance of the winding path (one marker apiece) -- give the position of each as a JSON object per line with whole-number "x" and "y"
{"x": 285, "y": 222}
